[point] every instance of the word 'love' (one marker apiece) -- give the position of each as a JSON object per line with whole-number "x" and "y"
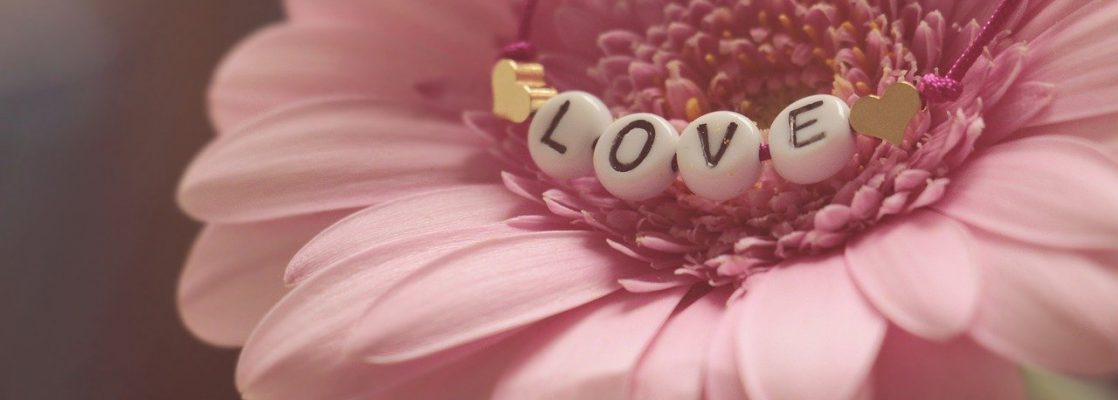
{"x": 718, "y": 154}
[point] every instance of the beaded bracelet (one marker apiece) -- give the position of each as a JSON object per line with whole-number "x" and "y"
{"x": 636, "y": 157}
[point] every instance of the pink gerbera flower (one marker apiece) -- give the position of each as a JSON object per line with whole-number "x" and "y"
{"x": 427, "y": 257}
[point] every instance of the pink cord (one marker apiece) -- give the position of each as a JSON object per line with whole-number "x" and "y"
{"x": 935, "y": 88}
{"x": 522, "y": 49}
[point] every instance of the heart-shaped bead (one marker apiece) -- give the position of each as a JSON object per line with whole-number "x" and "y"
{"x": 519, "y": 89}
{"x": 886, "y": 117}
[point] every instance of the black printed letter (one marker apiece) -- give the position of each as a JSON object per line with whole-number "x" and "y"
{"x": 795, "y": 128}
{"x": 650, "y": 137}
{"x": 551, "y": 129}
{"x": 704, "y": 140}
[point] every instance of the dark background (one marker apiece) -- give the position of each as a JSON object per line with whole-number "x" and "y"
{"x": 101, "y": 108}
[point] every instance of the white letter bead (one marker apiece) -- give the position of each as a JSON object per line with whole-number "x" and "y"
{"x": 562, "y": 134}
{"x": 811, "y": 139}
{"x": 633, "y": 158}
{"x": 718, "y": 155}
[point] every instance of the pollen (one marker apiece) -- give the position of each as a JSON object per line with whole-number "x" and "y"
{"x": 860, "y": 57}
{"x": 862, "y": 88}
{"x": 812, "y": 34}
{"x": 819, "y": 53}
{"x": 693, "y": 109}
{"x": 744, "y": 106}
{"x": 785, "y": 22}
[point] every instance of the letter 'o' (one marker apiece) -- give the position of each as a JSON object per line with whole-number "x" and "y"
{"x": 633, "y": 158}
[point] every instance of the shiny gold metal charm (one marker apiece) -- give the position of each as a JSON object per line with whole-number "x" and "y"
{"x": 519, "y": 89}
{"x": 886, "y": 117}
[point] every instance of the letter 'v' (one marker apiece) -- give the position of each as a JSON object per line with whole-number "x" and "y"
{"x": 704, "y": 140}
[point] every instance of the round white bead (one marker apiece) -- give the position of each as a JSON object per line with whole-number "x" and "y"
{"x": 562, "y": 134}
{"x": 718, "y": 155}
{"x": 633, "y": 158}
{"x": 811, "y": 139}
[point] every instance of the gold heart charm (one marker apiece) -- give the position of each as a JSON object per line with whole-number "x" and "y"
{"x": 886, "y": 117}
{"x": 518, "y": 89}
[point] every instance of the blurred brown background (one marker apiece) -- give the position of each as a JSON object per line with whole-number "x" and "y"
{"x": 101, "y": 107}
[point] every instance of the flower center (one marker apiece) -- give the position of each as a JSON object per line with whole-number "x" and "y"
{"x": 686, "y": 58}
{"x": 737, "y": 56}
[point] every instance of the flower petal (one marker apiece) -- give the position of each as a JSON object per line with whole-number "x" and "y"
{"x": 1077, "y": 58}
{"x": 481, "y": 18}
{"x": 656, "y": 281}
{"x": 1020, "y": 106}
{"x": 298, "y": 349}
{"x": 919, "y": 273}
{"x": 911, "y": 368}
{"x": 1044, "y": 14}
{"x": 722, "y": 379}
{"x": 672, "y": 366}
{"x": 474, "y": 377}
{"x": 588, "y": 352}
{"x": 489, "y": 288}
{"x": 233, "y": 275}
{"x": 403, "y": 218}
{"x": 1047, "y": 306}
{"x": 286, "y": 64}
{"x": 330, "y": 155}
{"x": 1043, "y": 190}
{"x": 806, "y": 333}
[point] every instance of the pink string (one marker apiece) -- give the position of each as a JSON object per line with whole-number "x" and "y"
{"x": 935, "y": 88}
{"x": 764, "y": 152}
{"x": 522, "y": 49}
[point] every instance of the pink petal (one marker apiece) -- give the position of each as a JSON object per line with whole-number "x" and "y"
{"x": 298, "y": 349}
{"x": 287, "y": 64}
{"x": 330, "y": 155}
{"x": 1099, "y": 131}
{"x": 589, "y": 352}
{"x": 234, "y": 274}
{"x": 1044, "y": 190}
{"x": 1048, "y": 306}
{"x": 474, "y": 377}
{"x": 481, "y": 18}
{"x": 1045, "y": 14}
{"x": 806, "y": 333}
{"x": 919, "y": 272}
{"x": 657, "y": 281}
{"x": 489, "y": 288}
{"x": 672, "y": 366}
{"x": 1018, "y": 108}
{"x": 1077, "y": 58}
{"x": 403, "y": 218}
{"x": 911, "y": 368}
{"x": 721, "y": 374}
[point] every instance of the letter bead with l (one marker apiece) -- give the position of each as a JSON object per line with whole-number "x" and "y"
{"x": 562, "y": 134}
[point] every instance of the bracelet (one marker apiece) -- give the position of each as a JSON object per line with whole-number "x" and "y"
{"x": 718, "y": 155}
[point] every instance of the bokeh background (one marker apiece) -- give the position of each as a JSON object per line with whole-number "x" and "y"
{"x": 101, "y": 108}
